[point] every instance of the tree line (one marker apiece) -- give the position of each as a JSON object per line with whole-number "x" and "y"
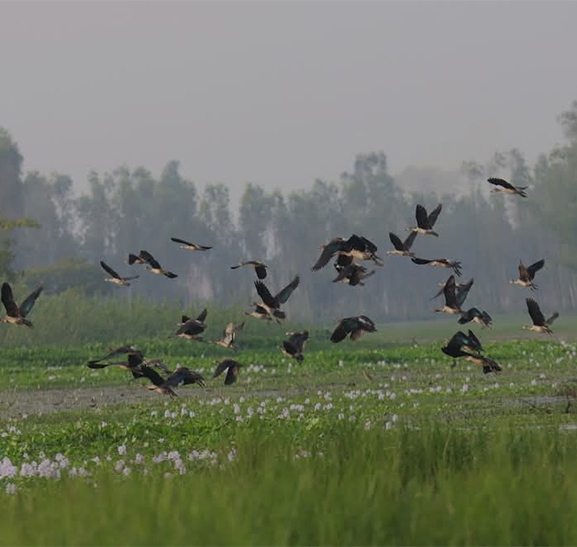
{"x": 50, "y": 235}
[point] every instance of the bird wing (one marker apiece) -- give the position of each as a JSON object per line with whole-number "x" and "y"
{"x": 407, "y": 244}
{"x": 283, "y": 295}
{"x": 8, "y": 300}
{"x": 432, "y": 218}
{"x": 176, "y": 240}
{"x": 109, "y": 270}
{"x": 463, "y": 291}
{"x": 202, "y": 316}
{"x": 420, "y": 260}
{"x": 523, "y": 273}
{"x": 29, "y": 301}
{"x": 328, "y": 252}
{"x": 474, "y": 342}
{"x": 552, "y": 318}
{"x": 396, "y": 241}
{"x": 145, "y": 255}
{"x": 421, "y": 215}
{"x": 152, "y": 375}
{"x": 500, "y": 182}
{"x": 132, "y": 258}
{"x": 290, "y": 347}
{"x": 340, "y": 333}
{"x": 535, "y": 312}
{"x": 449, "y": 292}
{"x": 232, "y": 374}
{"x": 192, "y": 327}
{"x": 265, "y": 294}
{"x": 534, "y": 268}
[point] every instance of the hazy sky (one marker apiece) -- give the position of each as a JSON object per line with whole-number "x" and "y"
{"x": 281, "y": 93}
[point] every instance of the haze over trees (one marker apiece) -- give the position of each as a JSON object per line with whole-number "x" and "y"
{"x": 127, "y": 210}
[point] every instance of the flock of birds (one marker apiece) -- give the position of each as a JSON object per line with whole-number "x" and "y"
{"x": 348, "y": 255}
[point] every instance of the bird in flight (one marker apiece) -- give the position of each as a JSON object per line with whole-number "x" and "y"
{"x": 17, "y": 314}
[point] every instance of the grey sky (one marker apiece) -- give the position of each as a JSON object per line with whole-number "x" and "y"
{"x": 280, "y": 93}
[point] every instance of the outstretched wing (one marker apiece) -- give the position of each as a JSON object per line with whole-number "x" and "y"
{"x": 534, "y": 268}
{"x": 265, "y": 294}
{"x": 232, "y": 374}
{"x": 152, "y": 375}
{"x": 176, "y": 240}
{"x": 202, "y": 315}
{"x": 29, "y": 301}
{"x": 8, "y": 300}
{"x": 150, "y": 259}
{"x": 109, "y": 270}
{"x": 420, "y": 260}
{"x": 421, "y": 215}
{"x": 449, "y": 292}
{"x": 407, "y": 244}
{"x": 535, "y": 312}
{"x": 500, "y": 182}
{"x": 260, "y": 271}
{"x": 396, "y": 241}
{"x": 283, "y": 295}
{"x": 328, "y": 252}
{"x": 474, "y": 342}
{"x": 343, "y": 328}
{"x": 432, "y": 218}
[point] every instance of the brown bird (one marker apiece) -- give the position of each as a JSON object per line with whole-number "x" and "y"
{"x": 451, "y": 305}
{"x": 261, "y": 313}
{"x": 17, "y": 314}
{"x": 181, "y": 376}
{"x": 271, "y": 303}
{"x": 352, "y": 274}
{"x": 116, "y": 278}
{"x": 228, "y": 336}
{"x": 505, "y": 187}
{"x": 527, "y": 274}
{"x": 232, "y": 367}
{"x": 190, "y": 246}
{"x": 191, "y": 328}
{"x": 481, "y": 317}
{"x": 354, "y": 327}
{"x": 295, "y": 345}
{"x": 154, "y": 266}
{"x": 540, "y": 324}
{"x": 259, "y": 267}
{"x": 356, "y": 247}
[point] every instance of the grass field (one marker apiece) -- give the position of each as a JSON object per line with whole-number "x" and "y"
{"x": 376, "y": 442}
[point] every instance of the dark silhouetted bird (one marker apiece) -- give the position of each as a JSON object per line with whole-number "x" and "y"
{"x": 190, "y": 246}
{"x": 540, "y": 324}
{"x": 259, "y": 267}
{"x": 116, "y": 278}
{"x": 295, "y": 345}
{"x": 354, "y": 327}
{"x": 527, "y": 274}
{"x": 17, "y": 314}
{"x": 440, "y": 262}
{"x": 402, "y": 248}
{"x": 505, "y": 187}
{"x": 232, "y": 367}
{"x": 154, "y": 266}
{"x": 426, "y": 222}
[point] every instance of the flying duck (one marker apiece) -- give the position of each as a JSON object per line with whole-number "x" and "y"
{"x": 181, "y": 376}
{"x": 259, "y": 267}
{"x": 154, "y": 266}
{"x": 451, "y": 306}
{"x": 191, "y": 328}
{"x": 402, "y": 248}
{"x": 17, "y": 314}
{"x": 440, "y": 262}
{"x": 271, "y": 303}
{"x": 476, "y": 316}
{"x": 190, "y": 246}
{"x": 354, "y": 327}
{"x": 540, "y": 324}
{"x": 426, "y": 222}
{"x": 461, "y": 291}
{"x": 356, "y": 247}
{"x": 232, "y": 367}
{"x": 261, "y": 313}
{"x": 116, "y": 279}
{"x": 527, "y": 274}
{"x": 353, "y": 274}
{"x": 506, "y": 187}
{"x": 295, "y": 345}
{"x": 228, "y": 336}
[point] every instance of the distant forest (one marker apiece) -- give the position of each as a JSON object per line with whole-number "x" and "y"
{"x": 51, "y": 235}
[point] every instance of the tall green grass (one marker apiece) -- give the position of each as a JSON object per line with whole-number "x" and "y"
{"x": 428, "y": 484}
